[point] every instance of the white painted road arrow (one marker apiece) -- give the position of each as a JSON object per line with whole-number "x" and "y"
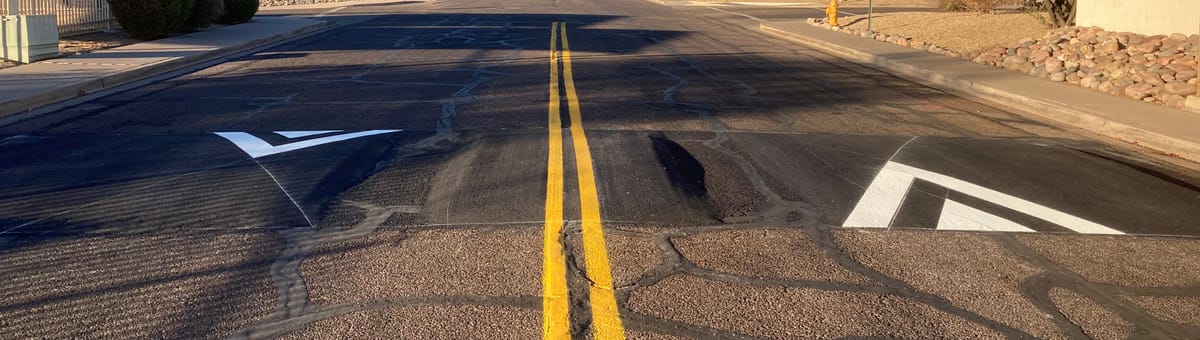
{"x": 256, "y": 147}
{"x": 881, "y": 202}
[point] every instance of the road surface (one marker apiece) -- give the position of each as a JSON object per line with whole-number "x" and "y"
{"x": 579, "y": 168}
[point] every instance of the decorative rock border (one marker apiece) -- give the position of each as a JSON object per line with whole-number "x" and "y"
{"x": 273, "y": 3}
{"x": 1159, "y": 69}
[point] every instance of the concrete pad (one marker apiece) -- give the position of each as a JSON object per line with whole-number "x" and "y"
{"x": 766, "y": 254}
{"x": 1178, "y": 309}
{"x": 967, "y": 269}
{"x": 1096, "y": 321}
{"x": 427, "y": 322}
{"x": 176, "y": 284}
{"x": 778, "y": 312}
{"x": 1124, "y": 261}
{"x": 391, "y": 263}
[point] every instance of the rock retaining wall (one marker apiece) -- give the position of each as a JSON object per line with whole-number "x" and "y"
{"x": 1160, "y": 68}
{"x": 273, "y": 3}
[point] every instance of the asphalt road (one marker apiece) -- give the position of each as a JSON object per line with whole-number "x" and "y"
{"x": 520, "y": 169}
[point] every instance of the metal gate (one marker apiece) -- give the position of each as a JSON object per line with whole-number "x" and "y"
{"x": 74, "y": 16}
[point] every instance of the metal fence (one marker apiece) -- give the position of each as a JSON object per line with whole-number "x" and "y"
{"x": 74, "y": 16}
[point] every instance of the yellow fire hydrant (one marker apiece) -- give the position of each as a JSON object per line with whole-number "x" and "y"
{"x": 831, "y": 11}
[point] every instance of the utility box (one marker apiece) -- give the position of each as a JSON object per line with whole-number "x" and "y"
{"x": 29, "y": 38}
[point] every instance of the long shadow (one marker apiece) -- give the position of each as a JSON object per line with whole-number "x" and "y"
{"x": 158, "y": 284}
{"x": 627, "y": 79}
{"x": 462, "y": 75}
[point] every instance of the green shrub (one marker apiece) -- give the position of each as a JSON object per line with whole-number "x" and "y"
{"x": 239, "y": 11}
{"x": 151, "y": 19}
{"x": 199, "y": 17}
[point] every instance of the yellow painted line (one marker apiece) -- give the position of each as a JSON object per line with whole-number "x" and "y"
{"x": 606, "y": 318}
{"x": 555, "y": 303}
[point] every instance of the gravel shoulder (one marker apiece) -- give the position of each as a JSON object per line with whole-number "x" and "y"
{"x": 843, "y": 3}
{"x": 889, "y": 3}
{"x": 962, "y": 32}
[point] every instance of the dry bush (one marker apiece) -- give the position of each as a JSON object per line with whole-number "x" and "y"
{"x": 152, "y": 19}
{"x": 981, "y": 6}
{"x": 239, "y": 11}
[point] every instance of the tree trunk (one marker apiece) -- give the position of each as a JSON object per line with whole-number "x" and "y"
{"x": 1062, "y": 12}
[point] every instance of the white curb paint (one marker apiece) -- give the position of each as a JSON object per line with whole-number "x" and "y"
{"x": 887, "y": 191}
{"x": 256, "y": 147}
{"x": 335, "y": 10}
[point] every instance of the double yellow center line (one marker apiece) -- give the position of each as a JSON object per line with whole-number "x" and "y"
{"x": 606, "y": 318}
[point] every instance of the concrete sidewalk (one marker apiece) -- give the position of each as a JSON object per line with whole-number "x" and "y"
{"x": 1169, "y": 130}
{"x": 28, "y": 87}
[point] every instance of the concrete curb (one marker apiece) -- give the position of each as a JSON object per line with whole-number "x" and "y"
{"x": 326, "y": 5}
{"x": 90, "y": 86}
{"x": 1044, "y": 107}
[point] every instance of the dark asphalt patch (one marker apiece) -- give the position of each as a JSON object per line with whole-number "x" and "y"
{"x": 685, "y": 172}
{"x": 635, "y": 186}
{"x": 57, "y": 185}
{"x": 829, "y": 175}
{"x": 1097, "y": 189}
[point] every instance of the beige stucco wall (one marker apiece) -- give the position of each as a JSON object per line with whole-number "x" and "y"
{"x": 1141, "y": 16}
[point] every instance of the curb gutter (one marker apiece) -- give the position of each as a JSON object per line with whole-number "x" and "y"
{"x": 1044, "y": 107}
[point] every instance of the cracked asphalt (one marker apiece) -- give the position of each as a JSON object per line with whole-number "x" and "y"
{"x": 389, "y": 179}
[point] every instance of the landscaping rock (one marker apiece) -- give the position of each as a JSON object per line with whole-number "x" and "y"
{"x": 1150, "y": 46}
{"x": 272, "y": 3}
{"x": 1150, "y": 77}
{"x": 1179, "y": 88}
{"x": 1138, "y": 91}
{"x": 1176, "y": 101}
{"x": 1053, "y": 65}
{"x": 1039, "y": 56}
{"x": 1158, "y": 69}
{"x": 1110, "y": 46}
{"x": 1035, "y": 70}
{"x": 1185, "y": 75}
